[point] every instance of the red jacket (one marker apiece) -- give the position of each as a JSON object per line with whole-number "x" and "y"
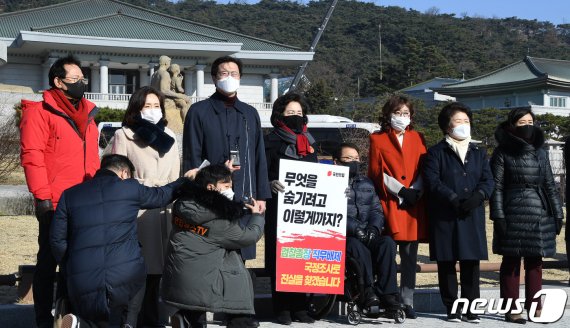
{"x": 53, "y": 154}
{"x": 401, "y": 163}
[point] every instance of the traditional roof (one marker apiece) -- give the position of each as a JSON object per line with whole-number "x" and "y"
{"x": 530, "y": 72}
{"x": 436, "y": 82}
{"x": 115, "y": 19}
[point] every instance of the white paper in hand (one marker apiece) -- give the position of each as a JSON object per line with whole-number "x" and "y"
{"x": 204, "y": 164}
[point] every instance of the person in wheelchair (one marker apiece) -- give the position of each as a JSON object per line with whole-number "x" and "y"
{"x": 374, "y": 253}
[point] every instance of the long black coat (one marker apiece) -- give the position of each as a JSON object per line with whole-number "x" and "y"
{"x": 525, "y": 195}
{"x": 207, "y": 135}
{"x": 363, "y": 207}
{"x": 274, "y": 151}
{"x": 94, "y": 238}
{"x": 453, "y": 237}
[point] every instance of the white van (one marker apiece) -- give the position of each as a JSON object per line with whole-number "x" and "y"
{"x": 329, "y": 131}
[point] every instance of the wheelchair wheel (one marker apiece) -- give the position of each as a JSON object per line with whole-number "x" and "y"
{"x": 400, "y": 316}
{"x": 354, "y": 317}
{"x": 320, "y": 305}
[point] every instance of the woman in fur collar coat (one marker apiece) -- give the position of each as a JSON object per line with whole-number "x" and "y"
{"x": 525, "y": 208}
{"x": 152, "y": 148}
{"x": 204, "y": 270}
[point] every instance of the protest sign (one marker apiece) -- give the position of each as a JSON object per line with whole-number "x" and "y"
{"x": 311, "y": 228}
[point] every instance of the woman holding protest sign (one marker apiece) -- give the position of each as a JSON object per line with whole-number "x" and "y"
{"x": 525, "y": 208}
{"x": 290, "y": 140}
{"x": 394, "y": 166}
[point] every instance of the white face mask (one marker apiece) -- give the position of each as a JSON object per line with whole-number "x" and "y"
{"x": 229, "y": 193}
{"x": 461, "y": 132}
{"x": 399, "y": 123}
{"x": 228, "y": 85}
{"x": 152, "y": 115}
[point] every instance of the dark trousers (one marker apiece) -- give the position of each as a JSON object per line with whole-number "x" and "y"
{"x": 196, "y": 319}
{"x": 45, "y": 276}
{"x": 282, "y": 301}
{"x": 379, "y": 258}
{"x": 145, "y": 309}
{"x": 510, "y": 276}
{"x": 117, "y": 319}
{"x": 468, "y": 277}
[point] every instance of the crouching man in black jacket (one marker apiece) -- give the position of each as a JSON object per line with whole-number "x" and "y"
{"x": 94, "y": 239}
{"x": 374, "y": 252}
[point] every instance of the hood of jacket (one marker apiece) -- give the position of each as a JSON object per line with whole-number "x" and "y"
{"x": 514, "y": 145}
{"x": 207, "y": 205}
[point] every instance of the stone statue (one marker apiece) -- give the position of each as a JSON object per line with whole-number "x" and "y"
{"x": 176, "y": 85}
{"x": 163, "y": 81}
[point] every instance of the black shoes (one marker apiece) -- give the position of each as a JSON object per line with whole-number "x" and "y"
{"x": 410, "y": 312}
{"x": 302, "y": 316}
{"x": 284, "y": 318}
{"x": 454, "y": 317}
{"x": 390, "y": 302}
{"x": 471, "y": 318}
{"x": 369, "y": 298}
{"x": 242, "y": 321}
{"x": 515, "y": 318}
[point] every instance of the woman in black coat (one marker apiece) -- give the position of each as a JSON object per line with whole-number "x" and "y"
{"x": 458, "y": 180}
{"x": 525, "y": 207}
{"x": 288, "y": 140}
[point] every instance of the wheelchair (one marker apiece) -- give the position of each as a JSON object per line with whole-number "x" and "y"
{"x": 321, "y": 305}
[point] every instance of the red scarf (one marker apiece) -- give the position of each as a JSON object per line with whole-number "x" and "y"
{"x": 79, "y": 115}
{"x": 303, "y": 145}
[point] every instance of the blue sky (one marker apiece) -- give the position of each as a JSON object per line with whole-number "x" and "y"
{"x": 555, "y": 11}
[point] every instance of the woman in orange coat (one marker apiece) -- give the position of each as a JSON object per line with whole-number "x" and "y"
{"x": 394, "y": 166}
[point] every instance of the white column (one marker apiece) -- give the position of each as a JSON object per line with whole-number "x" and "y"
{"x": 143, "y": 76}
{"x": 274, "y": 93}
{"x": 189, "y": 85}
{"x": 95, "y": 81}
{"x": 200, "y": 80}
{"x": 45, "y": 67}
{"x": 151, "y": 66}
{"x": 104, "y": 78}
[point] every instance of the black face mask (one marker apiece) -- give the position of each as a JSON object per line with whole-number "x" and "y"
{"x": 353, "y": 168}
{"x": 525, "y": 132}
{"x": 294, "y": 122}
{"x": 75, "y": 90}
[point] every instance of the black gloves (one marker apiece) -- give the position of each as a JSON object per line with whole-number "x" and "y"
{"x": 366, "y": 236}
{"x": 361, "y": 235}
{"x": 472, "y": 202}
{"x": 558, "y": 226}
{"x": 44, "y": 210}
{"x": 500, "y": 227}
{"x": 371, "y": 234}
{"x": 410, "y": 196}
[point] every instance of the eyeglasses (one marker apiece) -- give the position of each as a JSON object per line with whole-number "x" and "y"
{"x": 350, "y": 159}
{"x": 224, "y": 74}
{"x": 404, "y": 114}
{"x": 75, "y": 79}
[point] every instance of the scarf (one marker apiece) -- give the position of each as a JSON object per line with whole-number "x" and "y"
{"x": 78, "y": 115}
{"x": 152, "y": 134}
{"x": 460, "y": 147}
{"x": 299, "y": 143}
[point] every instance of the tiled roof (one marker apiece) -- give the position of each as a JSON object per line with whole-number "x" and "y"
{"x": 114, "y": 19}
{"x": 527, "y": 69}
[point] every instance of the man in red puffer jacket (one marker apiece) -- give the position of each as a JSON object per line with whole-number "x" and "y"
{"x": 58, "y": 150}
